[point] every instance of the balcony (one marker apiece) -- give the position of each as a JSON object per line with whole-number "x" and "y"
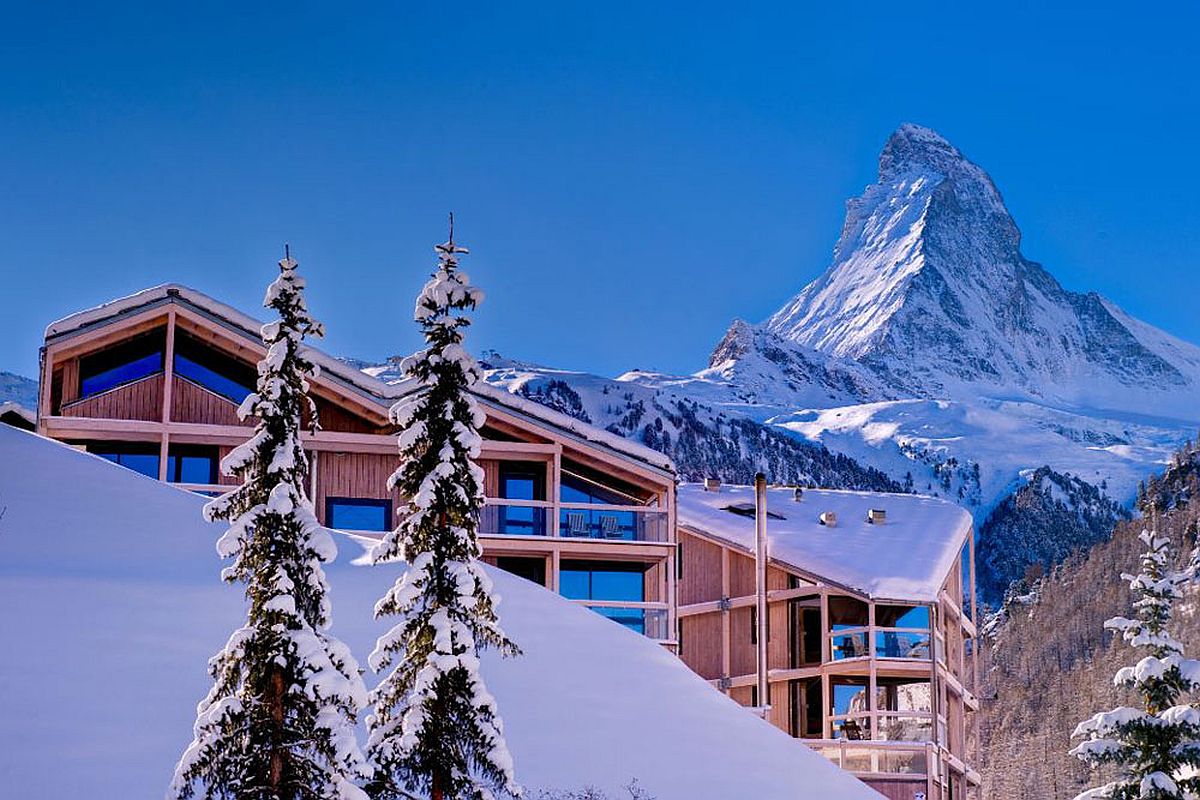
{"x": 617, "y": 523}
{"x": 652, "y": 620}
{"x": 505, "y": 517}
{"x": 501, "y": 517}
{"x": 877, "y": 642}
{"x": 876, "y": 758}
{"x": 901, "y": 643}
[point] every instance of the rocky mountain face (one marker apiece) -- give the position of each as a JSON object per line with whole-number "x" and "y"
{"x": 1038, "y": 526}
{"x": 930, "y": 291}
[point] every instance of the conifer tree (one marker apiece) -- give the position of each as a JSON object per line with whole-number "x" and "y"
{"x": 1156, "y": 746}
{"x": 435, "y": 729}
{"x": 278, "y": 723}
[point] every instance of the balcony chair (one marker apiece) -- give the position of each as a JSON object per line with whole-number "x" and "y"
{"x": 577, "y": 524}
{"x": 610, "y": 528}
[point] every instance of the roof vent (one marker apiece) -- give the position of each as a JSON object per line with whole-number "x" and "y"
{"x": 797, "y": 494}
{"x": 712, "y": 484}
{"x": 877, "y": 516}
{"x": 829, "y": 519}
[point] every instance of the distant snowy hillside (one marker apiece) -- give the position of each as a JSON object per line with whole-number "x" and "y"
{"x": 111, "y": 604}
{"x": 703, "y": 434}
{"x": 18, "y": 389}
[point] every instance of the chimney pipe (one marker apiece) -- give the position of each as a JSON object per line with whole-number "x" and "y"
{"x": 760, "y": 571}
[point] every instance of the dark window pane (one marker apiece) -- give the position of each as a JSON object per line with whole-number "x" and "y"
{"x": 355, "y": 514}
{"x": 617, "y": 585}
{"x": 121, "y": 374}
{"x": 902, "y": 616}
{"x": 518, "y": 521}
{"x": 145, "y": 464}
{"x": 195, "y": 469}
{"x": 122, "y": 363}
{"x": 574, "y": 584}
{"x": 602, "y": 580}
{"x": 211, "y": 379}
{"x": 531, "y": 569}
{"x": 632, "y": 618}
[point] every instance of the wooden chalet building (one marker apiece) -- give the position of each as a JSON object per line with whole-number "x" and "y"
{"x": 153, "y": 382}
{"x": 869, "y": 646}
{"x": 869, "y": 655}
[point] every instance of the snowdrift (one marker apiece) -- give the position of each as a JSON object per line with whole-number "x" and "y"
{"x": 111, "y": 605}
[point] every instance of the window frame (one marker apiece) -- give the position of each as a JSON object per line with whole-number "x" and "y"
{"x": 361, "y": 502}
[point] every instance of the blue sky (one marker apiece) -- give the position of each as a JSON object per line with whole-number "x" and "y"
{"x": 630, "y": 177}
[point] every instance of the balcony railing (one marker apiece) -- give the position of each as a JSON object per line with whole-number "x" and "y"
{"x": 619, "y": 523}
{"x": 865, "y": 641}
{"x": 649, "y": 619}
{"x": 504, "y": 517}
{"x": 514, "y": 518}
{"x": 901, "y": 643}
{"x": 885, "y": 758}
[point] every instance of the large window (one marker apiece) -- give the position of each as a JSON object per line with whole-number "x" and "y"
{"x": 595, "y": 523}
{"x": 215, "y": 371}
{"x": 137, "y": 457}
{"x": 358, "y": 514}
{"x": 607, "y": 581}
{"x": 521, "y": 480}
{"x": 602, "y": 580}
{"x": 192, "y": 464}
{"x": 127, "y": 362}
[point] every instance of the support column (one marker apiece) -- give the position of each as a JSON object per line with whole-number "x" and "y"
{"x": 760, "y": 588}
{"x": 168, "y": 381}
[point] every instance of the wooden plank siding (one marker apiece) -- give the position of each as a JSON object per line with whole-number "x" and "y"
{"x": 191, "y": 402}
{"x": 140, "y": 400}
{"x": 899, "y": 789}
{"x": 354, "y": 475}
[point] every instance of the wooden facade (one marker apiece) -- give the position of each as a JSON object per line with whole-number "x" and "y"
{"x": 169, "y": 422}
{"x": 892, "y": 703}
{"x": 561, "y": 508}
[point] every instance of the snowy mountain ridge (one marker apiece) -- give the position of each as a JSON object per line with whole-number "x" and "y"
{"x": 929, "y": 290}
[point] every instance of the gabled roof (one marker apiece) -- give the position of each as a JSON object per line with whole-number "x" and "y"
{"x": 906, "y": 557}
{"x": 380, "y": 393}
{"x": 17, "y": 415}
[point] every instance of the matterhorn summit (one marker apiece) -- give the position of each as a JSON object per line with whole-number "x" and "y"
{"x": 929, "y": 290}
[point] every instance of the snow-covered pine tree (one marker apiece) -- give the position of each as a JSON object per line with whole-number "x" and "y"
{"x": 1155, "y": 748}
{"x": 435, "y": 729}
{"x": 278, "y": 723}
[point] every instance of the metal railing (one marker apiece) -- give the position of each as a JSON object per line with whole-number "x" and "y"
{"x": 505, "y": 517}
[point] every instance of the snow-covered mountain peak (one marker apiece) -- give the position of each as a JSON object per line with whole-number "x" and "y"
{"x": 929, "y": 290}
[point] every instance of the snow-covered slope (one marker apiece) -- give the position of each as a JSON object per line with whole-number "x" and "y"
{"x": 111, "y": 605}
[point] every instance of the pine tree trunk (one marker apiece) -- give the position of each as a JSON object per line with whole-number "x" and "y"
{"x": 435, "y": 790}
{"x": 275, "y": 706}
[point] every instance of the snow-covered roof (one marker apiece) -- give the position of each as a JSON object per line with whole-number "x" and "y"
{"x": 905, "y": 557}
{"x": 383, "y": 394}
{"x": 111, "y": 604}
{"x": 13, "y": 407}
